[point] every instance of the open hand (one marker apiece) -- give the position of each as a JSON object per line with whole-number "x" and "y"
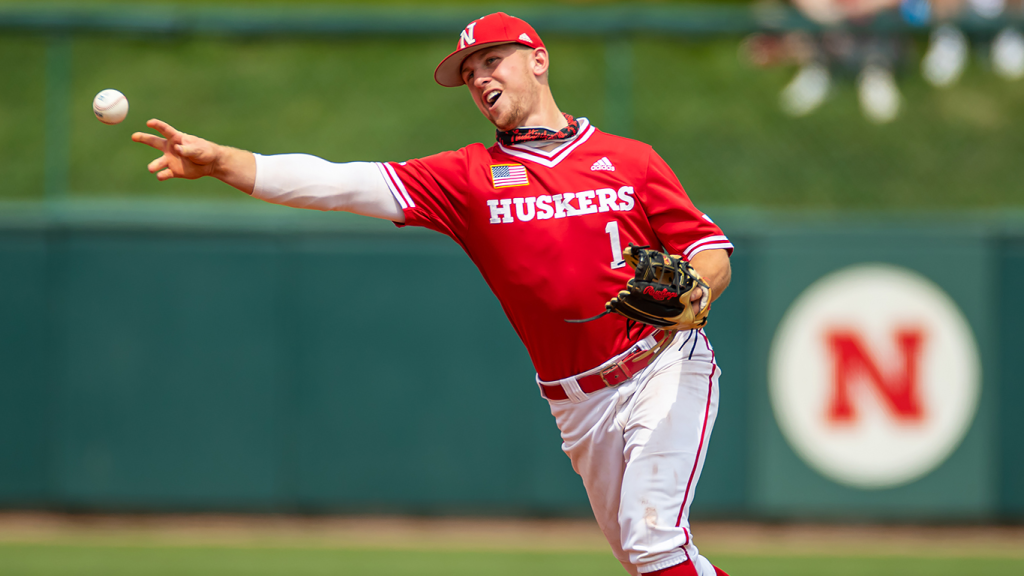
{"x": 184, "y": 155}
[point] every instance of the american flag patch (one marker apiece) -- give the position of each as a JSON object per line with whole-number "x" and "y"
{"x": 505, "y": 175}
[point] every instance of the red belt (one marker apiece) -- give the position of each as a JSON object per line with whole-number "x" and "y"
{"x": 614, "y": 374}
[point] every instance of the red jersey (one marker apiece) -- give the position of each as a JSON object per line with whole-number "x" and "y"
{"x": 547, "y": 229}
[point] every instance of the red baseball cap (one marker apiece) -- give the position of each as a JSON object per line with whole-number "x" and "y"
{"x": 491, "y": 30}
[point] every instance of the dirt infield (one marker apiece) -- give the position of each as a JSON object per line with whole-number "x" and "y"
{"x": 498, "y": 534}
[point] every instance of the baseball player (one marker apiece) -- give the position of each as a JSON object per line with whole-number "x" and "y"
{"x": 545, "y": 213}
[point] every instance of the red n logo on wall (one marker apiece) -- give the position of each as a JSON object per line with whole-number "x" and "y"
{"x": 897, "y": 387}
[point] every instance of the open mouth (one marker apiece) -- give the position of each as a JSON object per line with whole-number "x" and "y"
{"x": 492, "y": 97}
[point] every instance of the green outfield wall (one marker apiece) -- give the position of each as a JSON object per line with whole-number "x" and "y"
{"x": 277, "y": 363}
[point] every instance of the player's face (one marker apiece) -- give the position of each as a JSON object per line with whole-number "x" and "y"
{"x": 502, "y": 83}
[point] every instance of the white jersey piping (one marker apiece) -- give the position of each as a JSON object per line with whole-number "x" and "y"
{"x": 707, "y": 243}
{"x": 396, "y": 186}
{"x": 551, "y": 158}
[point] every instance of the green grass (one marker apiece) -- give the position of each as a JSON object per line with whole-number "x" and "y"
{"x": 22, "y": 61}
{"x": 714, "y": 119}
{"x": 64, "y": 560}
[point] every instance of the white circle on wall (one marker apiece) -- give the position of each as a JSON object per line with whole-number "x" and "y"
{"x": 874, "y": 376}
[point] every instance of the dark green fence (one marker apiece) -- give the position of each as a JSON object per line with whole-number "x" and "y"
{"x": 271, "y": 364}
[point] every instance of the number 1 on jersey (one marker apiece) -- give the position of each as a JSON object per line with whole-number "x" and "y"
{"x": 613, "y": 232}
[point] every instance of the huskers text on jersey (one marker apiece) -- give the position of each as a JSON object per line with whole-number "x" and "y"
{"x": 545, "y": 207}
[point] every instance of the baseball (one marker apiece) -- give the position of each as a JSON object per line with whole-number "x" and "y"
{"x": 110, "y": 106}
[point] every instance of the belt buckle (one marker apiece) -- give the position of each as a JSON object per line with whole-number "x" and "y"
{"x": 611, "y": 369}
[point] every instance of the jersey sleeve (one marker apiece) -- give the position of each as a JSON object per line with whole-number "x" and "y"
{"x": 430, "y": 190}
{"x": 680, "y": 226}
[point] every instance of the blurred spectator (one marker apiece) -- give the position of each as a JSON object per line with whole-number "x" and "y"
{"x": 837, "y": 11}
{"x": 847, "y": 45}
{"x": 947, "y": 54}
{"x": 853, "y": 50}
{"x": 946, "y": 58}
{"x": 1008, "y": 54}
{"x": 1007, "y": 49}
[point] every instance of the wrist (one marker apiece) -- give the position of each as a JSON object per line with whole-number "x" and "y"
{"x": 220, "y": 168}
{"x": 234, "y": 167}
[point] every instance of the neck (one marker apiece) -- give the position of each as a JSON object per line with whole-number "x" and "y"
{"x": 545, "y": 113}
{"x": 549, "y": 147}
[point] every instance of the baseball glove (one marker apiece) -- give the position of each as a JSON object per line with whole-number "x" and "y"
{"x": 659, "y": 293}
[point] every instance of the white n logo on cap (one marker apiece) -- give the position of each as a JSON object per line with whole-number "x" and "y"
{"x": 525, "y": 38}
{"x": 466, "y": 37}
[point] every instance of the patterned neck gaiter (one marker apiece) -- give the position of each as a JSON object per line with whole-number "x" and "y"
{"x": 517, "y": 135}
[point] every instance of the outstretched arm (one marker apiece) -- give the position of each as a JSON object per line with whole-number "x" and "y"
{"x": 297, "y": 180}
{"x": 191, "y": 157}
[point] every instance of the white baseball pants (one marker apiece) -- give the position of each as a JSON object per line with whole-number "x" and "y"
{"x": 640, "y": 447}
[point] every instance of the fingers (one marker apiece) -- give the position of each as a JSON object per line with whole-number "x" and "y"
{"x": 185, "y": 152}
{"x": 150, "y": 140}
{"x": 190, "y": 152}
{"x": 163, "y": 127}
{"x": 157, "y": 142}
{"x": 158, "y": 164}
{"x": 695, "y": 299}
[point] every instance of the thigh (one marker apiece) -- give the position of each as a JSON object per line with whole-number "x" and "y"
{"x": 593, "y": 440}
{"x": 665, "y": 441}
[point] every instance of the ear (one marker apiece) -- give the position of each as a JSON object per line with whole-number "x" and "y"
{"x": 539, "y": 61}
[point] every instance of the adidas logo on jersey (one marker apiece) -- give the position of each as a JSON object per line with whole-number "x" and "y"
{"x": 603, "y": 164}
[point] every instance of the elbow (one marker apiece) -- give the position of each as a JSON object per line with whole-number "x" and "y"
{"x": 726, "y": 277}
